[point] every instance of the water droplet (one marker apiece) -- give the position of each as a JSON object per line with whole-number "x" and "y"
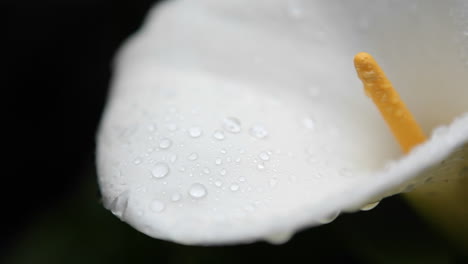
{"x": 193, "y": 156}
{"x": 242, "y": 179}
{"x": 197, "y": 191}
{"x": 176, "y": 197}
{"x": 329, "y": 218}
{"x": 264, "y": 156}
{"x": 370, "y": 206}
{"x": 151, "y": 127}
{"x": 195, "y": 132}
{"x": 309, "y": 123}
{"x": 157, "y": 206}
{"x": 223, "y": 171}
{"x": 223, "y": 151}
{"x": 260, "y": 166}
{"x": 119, "y": 204}
{"x": 232, "y": 124}
{"x": 234, "y": 187}
{"x": 218, "y": 161}
{"x": 218, "y": 183}
{"x": 279, "y": 238}
{"x": 160, "y": 170}
{"x": 219, "y": 135}
{"x": 206, "y": 171}
{"x": 137, "y": 161}
{"x": 258, "y": 131}
{"x": 165, "y": 143}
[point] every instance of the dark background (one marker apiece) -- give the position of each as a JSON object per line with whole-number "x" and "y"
{"x": 56, "y": 69}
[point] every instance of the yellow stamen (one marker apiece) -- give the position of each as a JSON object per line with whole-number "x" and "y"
{"x": 380, "y": 89}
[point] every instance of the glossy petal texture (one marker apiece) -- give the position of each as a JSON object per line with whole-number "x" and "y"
{"x": 237, "y": 120}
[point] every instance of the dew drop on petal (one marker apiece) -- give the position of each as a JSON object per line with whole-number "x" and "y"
{"x": 193, "y": 156}
{"x": 234, "y": 187}
{"x": 219, "y": 135}
{"x": 370, "y": 206}
{"x": 197, "y": 191}
{"x": 160, "y": 170}
{"x": 176, "y": 197}
{"x": 329, "y": 218}
{"x": 157, "y": 206}
{"x": 232, "y": 124}
{"x": 195, "y": 132}
{"x": 258, "y": 131}
{"x": 264, "y": 156}
{"x": 223, "y": 171}
{"x": 165, "y": 143}
{"x": 119, "y": 204}
{"x": 218, "y": 183}
{"x": 308, "y": 123}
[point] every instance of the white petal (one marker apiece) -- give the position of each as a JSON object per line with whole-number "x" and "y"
{"x": 232, "y": 121}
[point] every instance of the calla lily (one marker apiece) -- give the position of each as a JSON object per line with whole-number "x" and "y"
{"x": 238, "y": 120}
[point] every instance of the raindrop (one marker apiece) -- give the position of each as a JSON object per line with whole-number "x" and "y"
{"x": 219, "y": 135}
{"x": 218, "y": 161}
{"x": 206, "y": 171}
{"x": 193, "y": 156}
{"x": 258, "y": 131}
{"x": 195, "y": 132}
{"x": 260, "y": 166}
{"x": 160, "y": 170}
{"x": 370, "y": 206}
{"x": 151, "y": 127}
{"x": 165, "y": 143}
{"x": 242, "y": 179}
{"x": 264, "y": 156}
{"x": 223, "y": 172}
{"x": 218, "y": 183}
{"x": 329, "y": 218}
{"x": 197, "y": 191}
{"x": 279, "y": 238}
{"x": 137, "y": 161}
{"x": 234, "y": 187}
{"x": 232, "y": 124}
{"x": 157, "y": 206}
{"x": 119, "y": 204}
{"x": 176, "y": 197}
{"x": 308, "y": 123}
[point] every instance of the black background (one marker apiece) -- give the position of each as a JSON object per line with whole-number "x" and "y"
{"x": 56, "y": 67}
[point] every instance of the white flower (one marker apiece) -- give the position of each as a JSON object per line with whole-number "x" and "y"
{"x": 237, "y": 120}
